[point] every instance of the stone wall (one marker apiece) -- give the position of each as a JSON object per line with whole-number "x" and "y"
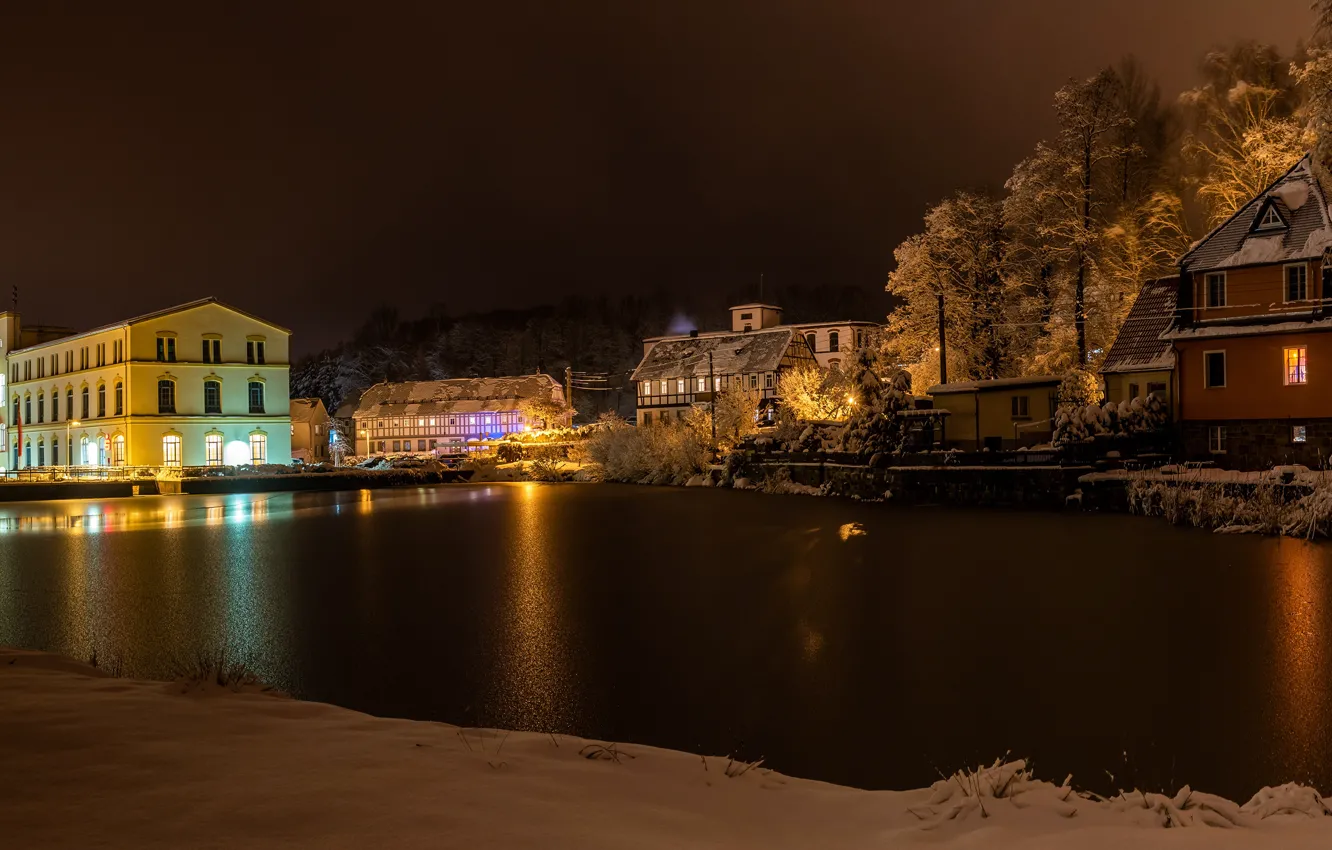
{"x": 1260, "y": 443}
{"x": 991, "y": 486}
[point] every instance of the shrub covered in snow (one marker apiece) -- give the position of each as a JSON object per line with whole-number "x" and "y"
{"x": 669, "y": 452}
{"x": 874, "y": 426}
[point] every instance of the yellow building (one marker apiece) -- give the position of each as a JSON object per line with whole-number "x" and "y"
{"x": 201, "y": 384}
{"x": 1003, "y": 413}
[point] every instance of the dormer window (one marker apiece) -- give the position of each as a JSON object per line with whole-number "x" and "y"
{"x": 1269, "y": 219}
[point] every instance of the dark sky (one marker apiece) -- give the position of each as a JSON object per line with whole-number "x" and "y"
{"x": 309, "y": 161}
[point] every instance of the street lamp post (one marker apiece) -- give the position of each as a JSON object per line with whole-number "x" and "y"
{"x": 69, "y": 447}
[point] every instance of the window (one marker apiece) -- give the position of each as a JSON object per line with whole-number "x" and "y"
{"x": 647, "y": 388}
{"x": 101, "y": 400}
{"x": 1216, "y": 289}
{"x": 1297, "y": 283}
{"x": 647, "y": 417}
{"x": 809, "y": 338}
{"x": 85, "y": 403}
{"x": 397, "y": 445}
{"x": 69, "y": 403}
{"x": 171, "y": 450}
{"x": 55, "y": 405}
{"x": 254, "y": 351}
{"x": 1133, "y": 391}
{"x": 663, "y": 387}
{"x": 258, "y": 449}
{"x": 753, "y": 380}
{"x": 212, "y": 397}
{"x": 41, "y": 407}
{"x": 744, "y": 316}
{"x": 1271, "y": 218}
{"x": 1156, "y": 388}
{"x": 702, "y": 385}
{"x": 420, "y": 445}
{"x": 716, "y": 384}
{"x": 1019, "y": 405}
{"x": 1296, "y": 362}
{"x": 767, "y": 380}
{"x": 679, "y": 385}
{"x": 166, "y": 396}
{"x": 1298, "y": 433}
{"x": 212, "y": 351}
{"x": 833, "y": 341}
{"x": 118, "y": 450}
{"x": 213, "y": 449}
{"x": 27, "y": 408}
{"x": 1216, "y": 439}
{"x": 55, "y": 451}
{"x": 256, "y": 396}
{"x": 120, "y": 399}
{"x": 41, "y": 453}
{"x": 1214, "y": 369}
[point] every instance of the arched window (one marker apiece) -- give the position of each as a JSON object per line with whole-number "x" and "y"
{"x": 213, "y": 449}
{"x": 41, "y": 410}
{"x": 256, "y": 396}
{"x": 101, "y": 400}
{"x": 55, "y": 405}
{"x": 171, "y": 450}
{"x": 212, "y": 396}
{"x": 833, "y": 341}
{"x": 118, "y": 449}
{"x": 27, "y": 408}
{"x": 120, "y": 399}
{"x": 85, "y": 457}
{"x": 258, "y": 448}
{"x": 27, "y": 454}
{"x": 84, "y": 407}
{"x": 16, "y": 409}
{"x": 55, "y": 451}
{"x": 166, "y": 396}
{"x": 69, "y": 403}
{"x": 809, "y": 338}
{"x": 41, "y": 452}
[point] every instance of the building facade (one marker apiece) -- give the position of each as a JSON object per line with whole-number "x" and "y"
{"x": 1252, "y": 344}
{"x": 200, "y": 384}
{"x": 441, "y": 417}
{"x": 309, "y": 430}
{"x": 1004, "y": 413}
{"x": 1141, "y": 362}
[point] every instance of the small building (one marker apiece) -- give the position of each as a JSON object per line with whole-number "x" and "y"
{"x": 134, "y": 393}
{"x": 440, "y": 417}
{"x": 309, "y": 430}
{"x": 1253, "y": 340}
{"x": 1003, "y": 413}
{"x": 678, "y": 372}
{"x": 833, "y": 343}
{"x": 1141, "y": 362}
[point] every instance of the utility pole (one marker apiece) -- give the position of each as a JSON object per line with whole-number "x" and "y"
{"x": 712, "y": 386}
{"x": 568, "y": 389}
{"x": 943, "y": 345}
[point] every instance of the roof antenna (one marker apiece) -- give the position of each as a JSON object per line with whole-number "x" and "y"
{"x": 760, "y": 287}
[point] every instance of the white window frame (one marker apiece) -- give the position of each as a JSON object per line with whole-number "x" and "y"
{"x": 1225, "y": 370}
{"x": 647, "y": 389}
{"x": 261, "y": 440}
{"x": 179, "y": 443}
{"x": 702, "y": 385}
{"x": 679, "y": 385}
{"x": 1207, "y": 291}
{"x": 1271, "y": 219}
{"x": 211, "y": 457}
{"x": 1216, "y": 439}
{"x": 1304, "y": 366}
{"x": 1285, "y": 283}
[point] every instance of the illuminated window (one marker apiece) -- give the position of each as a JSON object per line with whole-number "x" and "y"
{"x": 1216, "y": 289}
{"x": 120, "y": 398}
{"x": 118, "y": 449}
{"x": 258, "y": 449}
{"x": 171, "y": 450}
{"x": 663, "y": 387}
{"x": 1298, "y": 433}
{"x": 716, "y": 384}
{"x": 256, "y": 397}
{"x": 702, "y": 384}
{"x": 166, "y": 396}
{"x": 213, "y": 449}
{"x": 1297, "y": 283}
{"x": 1216, "y": 439}
{"x": 679, "y": 385}
{"x": 1296, "y": 365}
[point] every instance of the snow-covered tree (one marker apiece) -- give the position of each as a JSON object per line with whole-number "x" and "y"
{"x": 815, "y": 394}
{"x": 1315, "y": 78}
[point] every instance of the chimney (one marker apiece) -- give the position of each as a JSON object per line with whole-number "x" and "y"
{"x": 693, "y": 334}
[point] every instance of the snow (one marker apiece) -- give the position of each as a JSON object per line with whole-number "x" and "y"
{"x": 993, "y": 383}
{"x": 1293, "y": 194}
{"x": 1257, "y": 249}
{"x": 91, "y": 760}
{"x": 1215, "y": 331}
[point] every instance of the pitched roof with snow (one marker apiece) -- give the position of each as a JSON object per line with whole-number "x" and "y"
{"x": 1305, "y": 230}
{"x": 457, "y": 395}
{"x": 732, "y": 354}
{"x": 1139, "y": 346}
{"x": 994, "y": 384}
{"x": 306, "y": 409}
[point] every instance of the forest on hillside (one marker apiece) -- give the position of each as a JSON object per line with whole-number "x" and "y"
{"x": 1037, "y": 278}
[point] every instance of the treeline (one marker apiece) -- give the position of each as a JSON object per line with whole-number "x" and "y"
{"x": 1037, "y": 278}
{"x": 600, "y": 336}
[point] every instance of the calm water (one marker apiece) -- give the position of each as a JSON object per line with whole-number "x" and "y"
{"x": 864, "y": 644}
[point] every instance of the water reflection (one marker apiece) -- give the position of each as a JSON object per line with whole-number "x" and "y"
{"x": 1300, "y": 643}
{"x": 531, "y": 683}
{"x": 112, "y": 515}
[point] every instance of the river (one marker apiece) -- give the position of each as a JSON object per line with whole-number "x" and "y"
{"x": 866, "y": 644}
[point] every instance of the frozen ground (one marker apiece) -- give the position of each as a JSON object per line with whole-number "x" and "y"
{"x": 87, "y": 760}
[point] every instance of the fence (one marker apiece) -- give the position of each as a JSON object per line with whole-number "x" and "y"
{"x": 86, "y": 473}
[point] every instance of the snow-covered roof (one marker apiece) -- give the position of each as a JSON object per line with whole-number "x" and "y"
{"x": 457, "y": 395}
{"x": 1305, "y": 233}
{"x": 758, "y": 305}
{"x": 1309, "y": 324}
{"x": 732, "y": 354}
{"x": 1139, "y": 346}
{"x": 994, "y": 384}
{"x": 306, "y": 409}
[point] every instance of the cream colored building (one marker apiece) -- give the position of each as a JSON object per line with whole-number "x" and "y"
{"x": 200, "y": 384}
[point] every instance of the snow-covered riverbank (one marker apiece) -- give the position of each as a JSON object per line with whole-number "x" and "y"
{"x": 87, "y": 760}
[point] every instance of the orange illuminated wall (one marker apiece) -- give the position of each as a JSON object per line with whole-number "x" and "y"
{"x": 1255, "y": 383}
{"x": 1256, "y": 291}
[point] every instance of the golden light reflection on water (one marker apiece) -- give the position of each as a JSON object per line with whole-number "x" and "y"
{"x": 531, "y": 681}
{"x": 93, "y": 517}
{"x": 1300, "y": 677}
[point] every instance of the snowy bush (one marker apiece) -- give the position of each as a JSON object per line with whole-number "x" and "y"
{"x": 1265, "y": 507}
{"x": 669, "y": 452}
{"x": 874, "y": 426}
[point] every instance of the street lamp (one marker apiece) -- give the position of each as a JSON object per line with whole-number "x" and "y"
{"x": 69, "y": 447}
{"x": 366, "y": 433}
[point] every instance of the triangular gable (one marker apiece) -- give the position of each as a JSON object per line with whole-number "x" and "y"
{"x": 1270, "y": 218}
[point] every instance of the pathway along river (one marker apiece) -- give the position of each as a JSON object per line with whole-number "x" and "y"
{"x": 861, "y": 644}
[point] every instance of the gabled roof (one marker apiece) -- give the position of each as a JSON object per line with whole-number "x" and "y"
{"x": 994, "y": 384}
{"x": 1139, "y": 346}
{"x": 1302, "y": 204}
{"x": 457, "y": 395}
{"x": 307, "y": 409}
{"x": 732, "y": 354}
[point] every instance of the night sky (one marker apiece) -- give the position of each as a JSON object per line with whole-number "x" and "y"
{"x": 310, "y": 161}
